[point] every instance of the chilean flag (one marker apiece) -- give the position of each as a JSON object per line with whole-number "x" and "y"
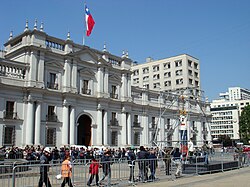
{"x": 89, "y": 21}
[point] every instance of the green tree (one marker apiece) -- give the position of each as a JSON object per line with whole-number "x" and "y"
{"x": 244, "y": 123}
{"x": 225, "y": 140}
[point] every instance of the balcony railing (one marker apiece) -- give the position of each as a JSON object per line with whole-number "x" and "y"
{"x": 51, "y": 118}
{"x": 136, "y": 124}
{"x": 153, "y": 125}
{"x": 52, "y": 85}
{"x": 114, "y": 96}
{"x": 9, "y": 115}
{"x": 114, "y": 122}
{"x": 86, "y": 91}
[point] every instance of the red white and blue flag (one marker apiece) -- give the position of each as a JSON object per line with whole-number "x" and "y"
{"x": 89, "y": 21}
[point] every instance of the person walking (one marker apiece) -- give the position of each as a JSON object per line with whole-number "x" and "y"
{"x": 66, "y": 171}
{"x": 106, "y": 166}
{"x": 44, "y": 168}
{"x": 94, "y": 170}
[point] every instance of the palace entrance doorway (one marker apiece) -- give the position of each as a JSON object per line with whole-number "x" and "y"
{"x": 84, "y": 130}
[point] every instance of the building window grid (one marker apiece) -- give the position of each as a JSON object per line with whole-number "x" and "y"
{"x": 156, "y": 68}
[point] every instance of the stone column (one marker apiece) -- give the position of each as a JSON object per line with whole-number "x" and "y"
{"x": 106, "y": 81}
{"x": 74, "y": 77}
{"x": 65, "y": 125}
{"x": 29, "y": 122}
{"x": 99, "y": 80}
{"x": 129, "y": 133}
{"x": 67, "y": 77}
{"x": 41, "y": 68}
{"x": 99, "y": 126}
{"x": 38, "y": 123}
{"x": 33, "y": 66}
{"x": 72, "y": 126}
{"x": 129, "y": 86}
{"x": 145, "y": 132}
{"x": 124, "y": 127}
{"x": 105, "y": 128}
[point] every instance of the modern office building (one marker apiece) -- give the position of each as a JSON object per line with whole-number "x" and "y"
{"x": 226, "y": 112}
{"x": 176, "y": 74}
{"x": 55, "y": 92}
{"x": 236, "y": 93}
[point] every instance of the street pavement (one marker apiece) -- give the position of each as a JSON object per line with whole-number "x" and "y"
{"x": 232, "y": 178}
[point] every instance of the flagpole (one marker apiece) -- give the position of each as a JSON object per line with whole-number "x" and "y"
{"x": 83, "y": 37}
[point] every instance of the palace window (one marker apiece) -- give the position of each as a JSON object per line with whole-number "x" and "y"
{"x": 53, "y": 82}
{"x": 85, "y": 87}
{"x": 9, "y": 112}
{"x": 51, "y": 116}
{"x": 113, "y": 93}
{"x": 9, "y": 135}
{"x": 114, "y": 138}
{"x": 137, "y": 138}
{"x": 51, "y": 136}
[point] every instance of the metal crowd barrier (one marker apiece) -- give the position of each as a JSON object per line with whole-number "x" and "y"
{"x": 146, "y": 170}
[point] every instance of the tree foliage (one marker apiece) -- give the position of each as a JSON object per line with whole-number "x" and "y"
{"x": 225, "y": 140}
{"x": 244, "y": 125}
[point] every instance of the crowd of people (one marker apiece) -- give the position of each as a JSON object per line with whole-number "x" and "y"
{"x": 103, "y": 158}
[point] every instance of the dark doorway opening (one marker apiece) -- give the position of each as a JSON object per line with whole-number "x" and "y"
{"x": 84, "y": 130}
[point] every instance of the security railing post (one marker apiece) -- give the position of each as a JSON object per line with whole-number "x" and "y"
{"x": 196, "y": 167}
{"x": 14, "y": 176}
{"x": 119, "y": 170}
{"x": 222, "y": 162}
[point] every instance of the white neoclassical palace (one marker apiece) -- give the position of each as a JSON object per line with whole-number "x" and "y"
{"x": 55, "y": 92}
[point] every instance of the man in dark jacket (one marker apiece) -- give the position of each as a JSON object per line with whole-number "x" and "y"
{"x": 142, "y": 156}
{"x": 131, "y": 157}
{"x": 44, "y": 168}
{"x": 152, "y": 164}
{"x": 106, "y": 162}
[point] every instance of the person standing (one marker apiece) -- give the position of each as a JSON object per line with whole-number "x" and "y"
{"x": 66, "y": 171}
{"x": 44, "y": 168}
{"x": 142, "y": 156}
{"x": 152, "y": 164}
{"x": 94, "y": 170}
{"x": 131, "y": 157}
{"x": 167, "y": 159}
{"x": 177, "y": 157}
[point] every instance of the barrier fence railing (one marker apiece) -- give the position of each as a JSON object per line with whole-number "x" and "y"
{"x": 121, "y": 171}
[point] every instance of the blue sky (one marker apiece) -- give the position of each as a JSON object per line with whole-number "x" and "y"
{"x": 217, "y": 32}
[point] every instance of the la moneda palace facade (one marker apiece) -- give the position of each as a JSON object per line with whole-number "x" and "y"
{"x": 55, "y": 92}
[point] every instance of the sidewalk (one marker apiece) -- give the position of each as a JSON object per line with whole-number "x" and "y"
{"x": 232, "y": 178}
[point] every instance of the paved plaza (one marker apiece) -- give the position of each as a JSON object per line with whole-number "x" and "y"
{"x": 233, "y": 178}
